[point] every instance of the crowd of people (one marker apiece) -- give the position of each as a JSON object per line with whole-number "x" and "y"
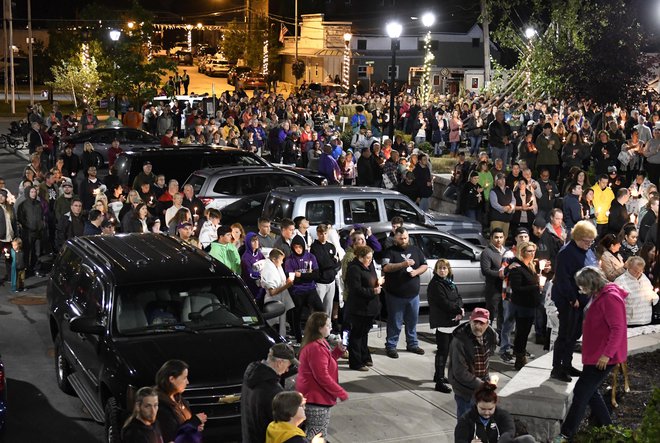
{"x": 558, "y": 187}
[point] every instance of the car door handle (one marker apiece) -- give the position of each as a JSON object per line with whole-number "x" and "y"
{"x": 82, "y": 336}
{"x": 66, "y": 316}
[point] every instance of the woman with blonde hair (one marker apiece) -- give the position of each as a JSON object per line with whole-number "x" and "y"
{"x": 525, "y": 295}
{"x": 88, "y": 157}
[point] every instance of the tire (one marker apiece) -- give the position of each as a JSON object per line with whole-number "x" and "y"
{"x": 98, "y": 160}
{"x": 112, "y": 421}
{"x": 62, "y": 370}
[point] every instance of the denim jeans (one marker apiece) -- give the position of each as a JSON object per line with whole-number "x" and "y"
{"x": 508, "y": 317}
{"x": 586, "y": 393}
{"x": 462, "y": 405}
{"x": 419, "y": 140}
{"x": 402, "y": 310}
{"x": 502, "y": 153}
{"x": 473, "y": 214}
{"x": 453, "y": 147}
{"x": 475, "y": 144}
{"x": 424, "y": 204}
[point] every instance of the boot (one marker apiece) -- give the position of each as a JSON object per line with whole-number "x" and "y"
{"x": 521, "y": 360}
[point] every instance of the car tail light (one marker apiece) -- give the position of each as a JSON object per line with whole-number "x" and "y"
{"x": 207, "y": 201}
{"x": 2, "y": 380}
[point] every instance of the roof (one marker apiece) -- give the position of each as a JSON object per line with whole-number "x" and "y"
{"x": 296, "y": 191}
{"x": 188, "y": 148}
{"x": 144, "y": 258}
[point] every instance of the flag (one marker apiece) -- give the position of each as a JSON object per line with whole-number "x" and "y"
{"x": 283, "y": 32}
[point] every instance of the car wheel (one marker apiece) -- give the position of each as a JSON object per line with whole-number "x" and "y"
{"x": 98, "y": 160}
{"x": 62, "y": 370}
{"x": 112, "y": 421}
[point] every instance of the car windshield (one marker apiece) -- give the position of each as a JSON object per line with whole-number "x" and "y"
{"x": 184, "y": 306}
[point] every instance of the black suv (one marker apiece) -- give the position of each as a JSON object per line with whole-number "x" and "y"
{"x": 180, "y": 161}
{"x": 119, "y": 307}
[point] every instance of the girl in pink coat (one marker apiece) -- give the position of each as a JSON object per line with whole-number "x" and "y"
{"x": 604, "y": 344}
{"x": 318, "y": 375}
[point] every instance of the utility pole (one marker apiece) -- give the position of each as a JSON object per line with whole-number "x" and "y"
{"x": 12, "y": 80}
{"x": 30, "y": 51}
{"x": 4, "y": 51}
{"x": 484, "y": 24}
{"x": 296, "y": 36}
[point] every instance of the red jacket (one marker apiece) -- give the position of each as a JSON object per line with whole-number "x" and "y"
{"x": 604, "y": 329}
{"x": 318, "y": 375}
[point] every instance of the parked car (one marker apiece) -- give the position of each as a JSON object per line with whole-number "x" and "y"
{"x": 348, "y": 205}
{"x": 236, "y": 72}
{"x": 3, "y": 399}
{"x": 253, "y": 80}
{"x": 319, "y": 89}
{"x": 121, "y": 306}
{"x": 184, "y": 57}
{"x": 217, "y": 187}
{"x": 216, "y": 67}
{"x": 463, "y": 256}
{"x": 314, "y": 176}
{"x": 178, "y": 46}
{"x": 179, "y": 162}
{"x": 245, "y": 211}
{"x": 102, "y": 138}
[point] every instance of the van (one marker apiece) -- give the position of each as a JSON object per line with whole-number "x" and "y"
{"x": 121, "y": 306}
{"x": 178, "y": 162}
{"x": 349, "y": 205}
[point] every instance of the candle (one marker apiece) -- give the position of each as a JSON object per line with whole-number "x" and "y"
{"x": 494, "y": 379}
{"x": 541, "y": 265}
{"x": 607, "y": 213}
{"x": 542, "y": 280}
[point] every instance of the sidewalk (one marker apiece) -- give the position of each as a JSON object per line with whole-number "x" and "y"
{"x": 395, "y": 402}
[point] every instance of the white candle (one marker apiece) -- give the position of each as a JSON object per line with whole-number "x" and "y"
{"x": 494, "y": 379}
{"x": 541, "y": 265}
{"x": 542, "y": 280}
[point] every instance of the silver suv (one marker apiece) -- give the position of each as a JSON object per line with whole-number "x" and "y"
{"x": 348, "y": 205}
{"x": 218, "y": 187}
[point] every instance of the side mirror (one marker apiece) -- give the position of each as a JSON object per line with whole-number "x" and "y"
{"x": 86, "y": 325}
{"x": 273, "y": 309}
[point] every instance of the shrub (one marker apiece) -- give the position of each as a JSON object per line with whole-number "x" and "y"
{"x": 425, "y": 147}
{"x": 650, "y": 430}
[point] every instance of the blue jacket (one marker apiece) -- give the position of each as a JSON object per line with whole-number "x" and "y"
{"x": 329, "y": 168}
{"x": 572, "y": 211}
{"x": 570, "y": 259}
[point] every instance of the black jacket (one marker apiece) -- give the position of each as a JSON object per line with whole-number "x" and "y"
{"x": 69, "y": 226}
{"x": 169, "y": 420}
{"x": 3, "y": 221}
{"x": 367, "y": 171}
{"x": 138, "y": 432}
{"x": 618, "y": 217}
{"x": 260, "y": 385}
{"x": 30, "y": 215}
{"x": 360, "y": 283}
{"x": 469, "y": 427}
{"x": 524, "y": 285}
{"x": 445, "y": 302}
{"x": 326, "y": 257}
{"x": 460, "y": 369}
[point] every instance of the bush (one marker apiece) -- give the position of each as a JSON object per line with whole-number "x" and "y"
{"x": 406, "y": 137}
{"x": 346, "y": 137}
{"x": 650, "y": 430}
{"x": 425, "y": 147}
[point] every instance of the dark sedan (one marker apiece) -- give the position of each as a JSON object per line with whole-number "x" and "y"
{"x": 253, "y": 81}
{"x": 101, "y": 139}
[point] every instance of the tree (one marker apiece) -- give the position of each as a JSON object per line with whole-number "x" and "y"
{"x": 79, "y": 77}
{"x": 234, "y": 41}
{"x": 582, "y": 49}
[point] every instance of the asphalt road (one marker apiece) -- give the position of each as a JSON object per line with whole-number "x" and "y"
{"x": 38, "y": 410}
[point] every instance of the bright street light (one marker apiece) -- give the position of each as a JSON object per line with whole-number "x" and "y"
{"x": 428, "y": 19}
{"x": 394, "y": 29}
{"x": 114, "y": 35}
{"x": 530, "y": 33}
{"x": 347, "y": 37}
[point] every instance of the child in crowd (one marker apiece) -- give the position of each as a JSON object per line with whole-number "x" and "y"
{"x": 17, "y": 266}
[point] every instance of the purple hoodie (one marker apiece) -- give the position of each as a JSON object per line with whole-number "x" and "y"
{"x": 306, "y": 264}
{"x": 248, "y": 259}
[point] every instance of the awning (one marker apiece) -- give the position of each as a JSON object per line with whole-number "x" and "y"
{"x": 314, "y": 52}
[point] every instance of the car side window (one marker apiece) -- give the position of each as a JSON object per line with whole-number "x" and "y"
{"x": 437, "y": 246}
{"x": 320, "y": 212}
{"x": 360, "y": 211}
{"x": 251, "y": 184}
{"x": 67, "y": 270}
{"x": 226, "y": 186}
{"x": 103, "y": 137}
{"x": 88, "y": 295}
{"x": 403, "y": 209}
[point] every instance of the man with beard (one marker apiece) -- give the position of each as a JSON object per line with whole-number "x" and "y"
{"x": 141, "y": 427}
{"x": 403, "y": 263}
{"x": 71, "y": 224}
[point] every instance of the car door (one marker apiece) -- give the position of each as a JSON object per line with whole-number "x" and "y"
{"x": 102, "y": 141}
{"x": 360, "y": 211}
{"x": 464, "y": 266}
{"x": 87, "y": 301}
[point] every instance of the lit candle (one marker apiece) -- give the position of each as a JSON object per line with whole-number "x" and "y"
{"x": 607, "y": 213}
{"x": 632, "y": 218}
{"x": 494, "y": 379}
{"x": 542, "y": 280}
{"x": 541, "y": 265}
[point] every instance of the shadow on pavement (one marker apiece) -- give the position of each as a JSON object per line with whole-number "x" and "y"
{"x": 31, "y": 418}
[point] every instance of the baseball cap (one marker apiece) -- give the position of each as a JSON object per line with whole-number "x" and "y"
{"x": 184, "y": 225}
{"x": 480, "y": 314}
{"x": 539, "y": 222}
{"x": 146, "y": 163}
{"x": 531, "y": 123}
{"x": 284, "y": 352}
{"x": 611, "y": 169}
{"x": 67, "y": 182}
{"x": 521, "y": 231}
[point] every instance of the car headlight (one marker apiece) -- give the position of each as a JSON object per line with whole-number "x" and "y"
{"x": 324, "y": 182}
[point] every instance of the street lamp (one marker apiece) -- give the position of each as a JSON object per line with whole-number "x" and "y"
{"x": 428, "y": 19}
{"x": 393, "y": 30}
{"x": 346, "y": 73}
{"x": 530, "y": 33}
{"x": 114, "y": 36}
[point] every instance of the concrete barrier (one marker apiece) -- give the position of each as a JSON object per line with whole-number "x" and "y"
{"x": 542, "y": 402}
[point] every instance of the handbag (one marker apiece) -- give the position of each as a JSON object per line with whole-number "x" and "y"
{"x": 387, "y": 183}
{"x": 624, "y": 158}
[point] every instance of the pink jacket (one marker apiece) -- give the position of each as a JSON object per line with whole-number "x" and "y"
{"x": 605, "y": 330}
{"x": 318, "y": 375}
